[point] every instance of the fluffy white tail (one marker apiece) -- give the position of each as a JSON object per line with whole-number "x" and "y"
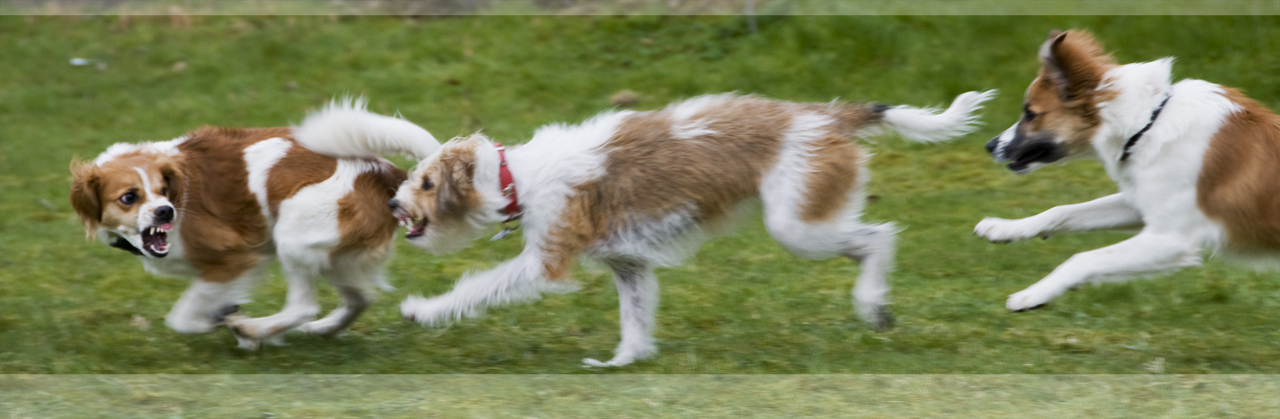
{"x": 927, "y": 125}
{"x": 344, "y": 129}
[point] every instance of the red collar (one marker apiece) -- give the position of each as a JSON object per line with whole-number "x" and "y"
{"x": 508, "y": 184}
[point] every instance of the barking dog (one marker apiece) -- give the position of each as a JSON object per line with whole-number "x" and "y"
{"x": 218, "y": 203}
{"x": 1197, "y": 165}
{"x": 638, "y": 190}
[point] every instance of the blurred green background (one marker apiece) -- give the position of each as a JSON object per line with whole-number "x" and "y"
{"x": 741, "y": 305}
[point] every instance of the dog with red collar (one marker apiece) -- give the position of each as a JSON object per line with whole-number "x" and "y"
{"x": 639, "y": 190}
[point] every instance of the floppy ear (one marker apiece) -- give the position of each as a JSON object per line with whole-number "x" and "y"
{"x": 457, "y": 172}
{"x": 1074, "y": 62}
{"x": 175, "y": 179}
{"x": 84, "y": 195}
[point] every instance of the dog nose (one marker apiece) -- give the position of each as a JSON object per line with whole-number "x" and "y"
{"x": 164, "y": 214}
{"x": 991, "y": 145}
{"x": 393, "y": 204}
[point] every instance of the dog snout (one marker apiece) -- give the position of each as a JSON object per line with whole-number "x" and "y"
{"x": 393, "y": 204}
{"x": 991, "y": 145}
{"x": 164, "y": 214}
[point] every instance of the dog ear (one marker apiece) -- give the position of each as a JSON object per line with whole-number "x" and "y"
{"x": 456, "y": 190}
{"x": 1074, "y": 63}
{"x": 85, "y": 185}
{"x": 175, "y": 178}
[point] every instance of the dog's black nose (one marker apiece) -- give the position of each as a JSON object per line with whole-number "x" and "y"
{"x": 991, "y": 145}
{"x": 164, "y": 214}
{"x": 393, "y": 204}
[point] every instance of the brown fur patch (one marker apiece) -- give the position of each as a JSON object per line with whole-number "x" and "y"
{"x": 85, "y": 195}
{"x": 650, "y": 174}
{"x": 1064, "y": 97}
{"x": 452, "y": 195}
{"x": 223, "y": 231}
{"x": 1239, "y": 183}
{"x": 455, "y": 194}
{"x": 364, "y": 221}
{"x": 834, "y": 173}
{"x": 298, "y": 169}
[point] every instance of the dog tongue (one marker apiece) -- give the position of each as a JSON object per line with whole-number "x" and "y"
{"x": 418, "y": 230}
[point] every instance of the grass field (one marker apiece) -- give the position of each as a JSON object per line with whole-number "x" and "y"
{"x": 741, "y": 305}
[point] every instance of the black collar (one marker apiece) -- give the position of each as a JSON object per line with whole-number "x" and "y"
{"x": 1124, "y": 155}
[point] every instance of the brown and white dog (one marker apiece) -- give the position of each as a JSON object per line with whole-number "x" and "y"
{"x": 1197, "y": 164}
{"x": 639, "y": 190}
{"x": 218, "y": 204}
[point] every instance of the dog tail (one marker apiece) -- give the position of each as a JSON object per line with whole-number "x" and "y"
{"x": 928, "y": 125}
{"x": 344, "y": 129}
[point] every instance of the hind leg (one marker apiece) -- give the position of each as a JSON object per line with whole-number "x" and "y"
{"x": 813, "y": 199}
{"x": 872, "y": 246}
{"x": 355, "y": 280}
{"x": 300, "y": 307}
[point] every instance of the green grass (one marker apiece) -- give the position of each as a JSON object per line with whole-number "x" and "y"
{"x": 639, "y": 396}
{"x": 741, "y": 305}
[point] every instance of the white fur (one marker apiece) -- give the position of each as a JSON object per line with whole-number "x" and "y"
{"x": 259, "y": 159}
{"x": 345, "y": 129}
{"x": 161, "y": 147}
{"x": 304, "y": 236}
{"x": 559, "y": 157}
{"x": 1157, "y": 184}
{"x": 926, "y": 125}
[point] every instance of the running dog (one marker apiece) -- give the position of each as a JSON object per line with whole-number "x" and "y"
{"x": 218, "y": 204}
{"x": 639, "y": 190}
{"x": 1197, "y": 164}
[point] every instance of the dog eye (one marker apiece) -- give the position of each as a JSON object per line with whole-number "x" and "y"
{"x": 426, "y": 184}
{"x": 164, "y": 191}
{"x": 129, "y": 198}
{"x": 1026, "y": 113}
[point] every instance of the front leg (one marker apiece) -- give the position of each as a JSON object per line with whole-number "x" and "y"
{"x": 521, "y": 279}
{"x": 637, "y": 305}
{"x": 203, "y": 306}
{"x": 1103, "y": 213}
{"x": 300, "y": 306}
{"x": 1144, "y": 254}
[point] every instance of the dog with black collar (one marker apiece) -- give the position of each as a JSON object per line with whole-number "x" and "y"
{"x": 1197, "y": 165}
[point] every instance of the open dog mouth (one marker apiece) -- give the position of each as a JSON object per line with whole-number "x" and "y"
{"x": 416, "y": 229}
{"x": 155, "y": 240}
{"x": 1041, "y": 152}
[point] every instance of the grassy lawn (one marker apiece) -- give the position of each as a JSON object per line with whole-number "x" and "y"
{"x": 639, "y": 396}
{"x": 741, "y": 305}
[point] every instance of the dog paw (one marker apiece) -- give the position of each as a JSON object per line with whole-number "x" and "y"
{"x": 615, "y": 362}
{"x": 1028, "y": 299}
{"x": 999, "y": 230}
{"x": 191, "y": 326}
{"x": 884, "y": 320}
{"x": 220, "y": 317}
{"x": 240, "y": 327}
{"x": 319, "y": 328}
{"x": 426, "y": 311}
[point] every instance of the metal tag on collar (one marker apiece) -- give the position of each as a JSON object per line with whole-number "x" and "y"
{"x": 507, "y": 229}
